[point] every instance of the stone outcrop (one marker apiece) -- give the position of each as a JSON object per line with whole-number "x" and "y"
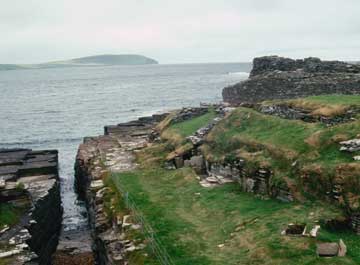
{"x": 97, "y": 158}
{"x": 274, "y": 77}
{"x": 30, "y": 179}
{"x": 285, "y": 111}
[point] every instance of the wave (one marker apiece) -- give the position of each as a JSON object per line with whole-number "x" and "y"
{"x": 239, "y": 73}
{"x": 41, "y": 142}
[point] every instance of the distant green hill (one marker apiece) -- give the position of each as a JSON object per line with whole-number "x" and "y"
{"x": 106, "y": 59}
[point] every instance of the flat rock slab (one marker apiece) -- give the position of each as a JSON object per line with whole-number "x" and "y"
{"x": 25, "y": 162}
{"x": 327, "y": 249}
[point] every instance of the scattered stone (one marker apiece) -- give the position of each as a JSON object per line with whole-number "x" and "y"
{"x": 212, "y": 180}
{"x": 97, "y": 184}
{"x": 350, "y": 146}
{"x": 6, "y": 228}
{"x": 136, "y": 227}
{"x": 342, "y": 248}
{"x": 179, "y": 162}
{"x": 126, "y": 221}
{"x": 327, "y": 249}
{"x": 314, "y": 231}
{"x": 356, "y": 158}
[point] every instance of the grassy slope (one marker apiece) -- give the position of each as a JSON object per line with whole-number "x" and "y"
{"x": 324, "y": 105}
{"x": 192, "y": 221}
{"x": 176, "y": 133}
{"x": 346, "y": 100}
{"x": 280, "y": 141}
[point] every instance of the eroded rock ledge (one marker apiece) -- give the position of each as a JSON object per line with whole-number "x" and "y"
{"x": 29, "y": 180}
{"x": 274, "y": 77}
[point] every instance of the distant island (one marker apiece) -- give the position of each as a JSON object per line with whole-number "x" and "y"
{"x": 105, "y": 59}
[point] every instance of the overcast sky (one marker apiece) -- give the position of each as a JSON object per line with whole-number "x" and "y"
{"x": 182, "y": 31}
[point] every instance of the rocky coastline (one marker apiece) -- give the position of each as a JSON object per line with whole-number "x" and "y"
{"x": 29, "y": 180}
{"x": 274, "y": 77}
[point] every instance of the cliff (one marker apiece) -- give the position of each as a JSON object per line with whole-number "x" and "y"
{"x": 274, "y": 77}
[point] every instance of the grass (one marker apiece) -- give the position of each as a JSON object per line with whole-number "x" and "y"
{"x": 115, "y": 207}
{"x": 323, "y": 105}
{"x": 192, "y": 222}
{"x": 226, "y": 226}
{"x": 335, "y": 99}
{"x": 297, "y": 140}
{"x": 176, "y": 133}
{"x": 251, "y": 125}
{"x": 9, "y": 215}
{"x": 307, "y": 153}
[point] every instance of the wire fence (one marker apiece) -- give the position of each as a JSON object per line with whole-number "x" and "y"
{"x": 156, "y": 247}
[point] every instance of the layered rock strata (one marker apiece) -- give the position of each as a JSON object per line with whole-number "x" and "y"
{"x": 29, "y": 179}
{"x": 274, "y": 77}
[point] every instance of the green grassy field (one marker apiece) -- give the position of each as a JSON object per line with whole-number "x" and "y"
{"x": 223, "y": 225}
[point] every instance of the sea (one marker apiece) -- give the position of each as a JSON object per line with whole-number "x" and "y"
{"x": 55, "y": 108}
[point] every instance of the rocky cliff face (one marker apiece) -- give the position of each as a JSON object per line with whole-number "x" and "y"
{"x": 274, "y": 77}
{"x": 29, "y": 180}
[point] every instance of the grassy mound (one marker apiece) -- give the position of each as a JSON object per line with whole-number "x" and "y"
{"x": 292, "y": 149}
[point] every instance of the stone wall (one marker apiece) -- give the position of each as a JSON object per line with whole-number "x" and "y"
{"x": 275, "y": 77}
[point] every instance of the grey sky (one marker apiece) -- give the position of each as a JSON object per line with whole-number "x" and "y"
{"x": 183, "y": 31}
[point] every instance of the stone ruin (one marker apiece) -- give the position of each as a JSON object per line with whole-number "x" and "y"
{"x": 274, "y": 77}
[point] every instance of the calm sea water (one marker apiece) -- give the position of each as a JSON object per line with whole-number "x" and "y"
{"x": 56, "y": 108}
